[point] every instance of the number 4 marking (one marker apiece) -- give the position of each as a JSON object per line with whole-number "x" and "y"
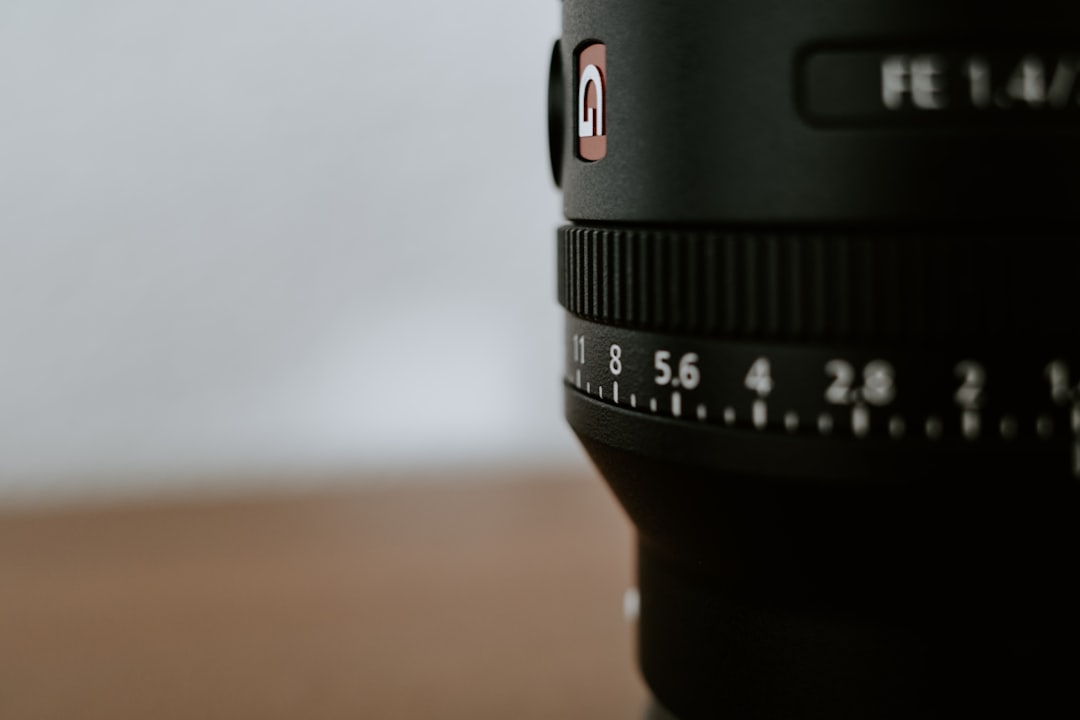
{"x": 759, "y": 379}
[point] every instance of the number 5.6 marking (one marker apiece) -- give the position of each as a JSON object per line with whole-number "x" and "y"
{"x": 689, "y": 374}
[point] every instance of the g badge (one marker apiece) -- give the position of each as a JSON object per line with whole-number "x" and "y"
{"x": 591, "y": 102}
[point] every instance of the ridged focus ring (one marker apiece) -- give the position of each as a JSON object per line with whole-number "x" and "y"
{"x": 828, "y": 286}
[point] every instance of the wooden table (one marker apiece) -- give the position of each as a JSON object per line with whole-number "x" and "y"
{"x": 496, "y": 597}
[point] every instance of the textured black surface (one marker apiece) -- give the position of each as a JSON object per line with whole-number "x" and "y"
{"x": 760, "y": 197}
{"x": 763, "y": 597}
{"x": 822, "y": 285}
{"x": 704, "y": 123}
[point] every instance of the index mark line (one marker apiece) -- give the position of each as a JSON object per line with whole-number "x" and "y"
{"x": 1076, "y": 443}
{"x": 760, "y": 414}
{"x": 1044, "y": 426}
{"x": 791, "y": 421}
{"x": 934, "y": 428}
{"x": 897, "y": 427}
{"x": 860, "y": 421}
{"x": 1009, "y": 427}
{"x": 825, "y": 423}
{"x": 970, "y": 425}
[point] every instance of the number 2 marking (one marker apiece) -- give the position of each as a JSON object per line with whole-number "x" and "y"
{"x": 970, "y": 393}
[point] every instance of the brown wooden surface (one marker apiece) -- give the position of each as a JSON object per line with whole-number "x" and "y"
{"x": 475, "y": 600}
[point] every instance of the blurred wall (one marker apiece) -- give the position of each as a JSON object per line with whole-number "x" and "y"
{"x": 260, "y": 238}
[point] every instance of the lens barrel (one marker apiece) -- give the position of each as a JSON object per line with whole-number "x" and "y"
{"x": 821, "y": 340}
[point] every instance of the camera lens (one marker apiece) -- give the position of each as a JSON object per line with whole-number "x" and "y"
{"x": 820, "y": 279}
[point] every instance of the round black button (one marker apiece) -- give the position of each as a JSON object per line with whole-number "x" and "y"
{"x": 556, "y": 113}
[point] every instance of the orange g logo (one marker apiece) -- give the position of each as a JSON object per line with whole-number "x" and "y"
{"x": 591, "y": 102}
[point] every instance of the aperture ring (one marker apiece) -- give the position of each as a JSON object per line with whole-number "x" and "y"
{"x": 806, "y": 410}
{"x": 788, "y": 285}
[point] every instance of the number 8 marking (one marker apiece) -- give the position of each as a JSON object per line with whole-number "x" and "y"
{"x": 616, "y": 360}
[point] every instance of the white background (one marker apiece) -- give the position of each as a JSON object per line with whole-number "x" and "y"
{"x": 273, "y": 238}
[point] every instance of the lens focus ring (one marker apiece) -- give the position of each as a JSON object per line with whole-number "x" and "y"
{"x": 806, "y": 286}
{"x": 799, "y": 354}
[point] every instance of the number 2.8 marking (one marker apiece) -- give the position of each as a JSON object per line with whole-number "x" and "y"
{"x": 878, "y": 388}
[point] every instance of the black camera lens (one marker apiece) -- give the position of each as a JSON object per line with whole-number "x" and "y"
{"x": 820, "y": 278}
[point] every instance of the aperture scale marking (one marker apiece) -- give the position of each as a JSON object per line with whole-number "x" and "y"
{"x": 857, "y": 395}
